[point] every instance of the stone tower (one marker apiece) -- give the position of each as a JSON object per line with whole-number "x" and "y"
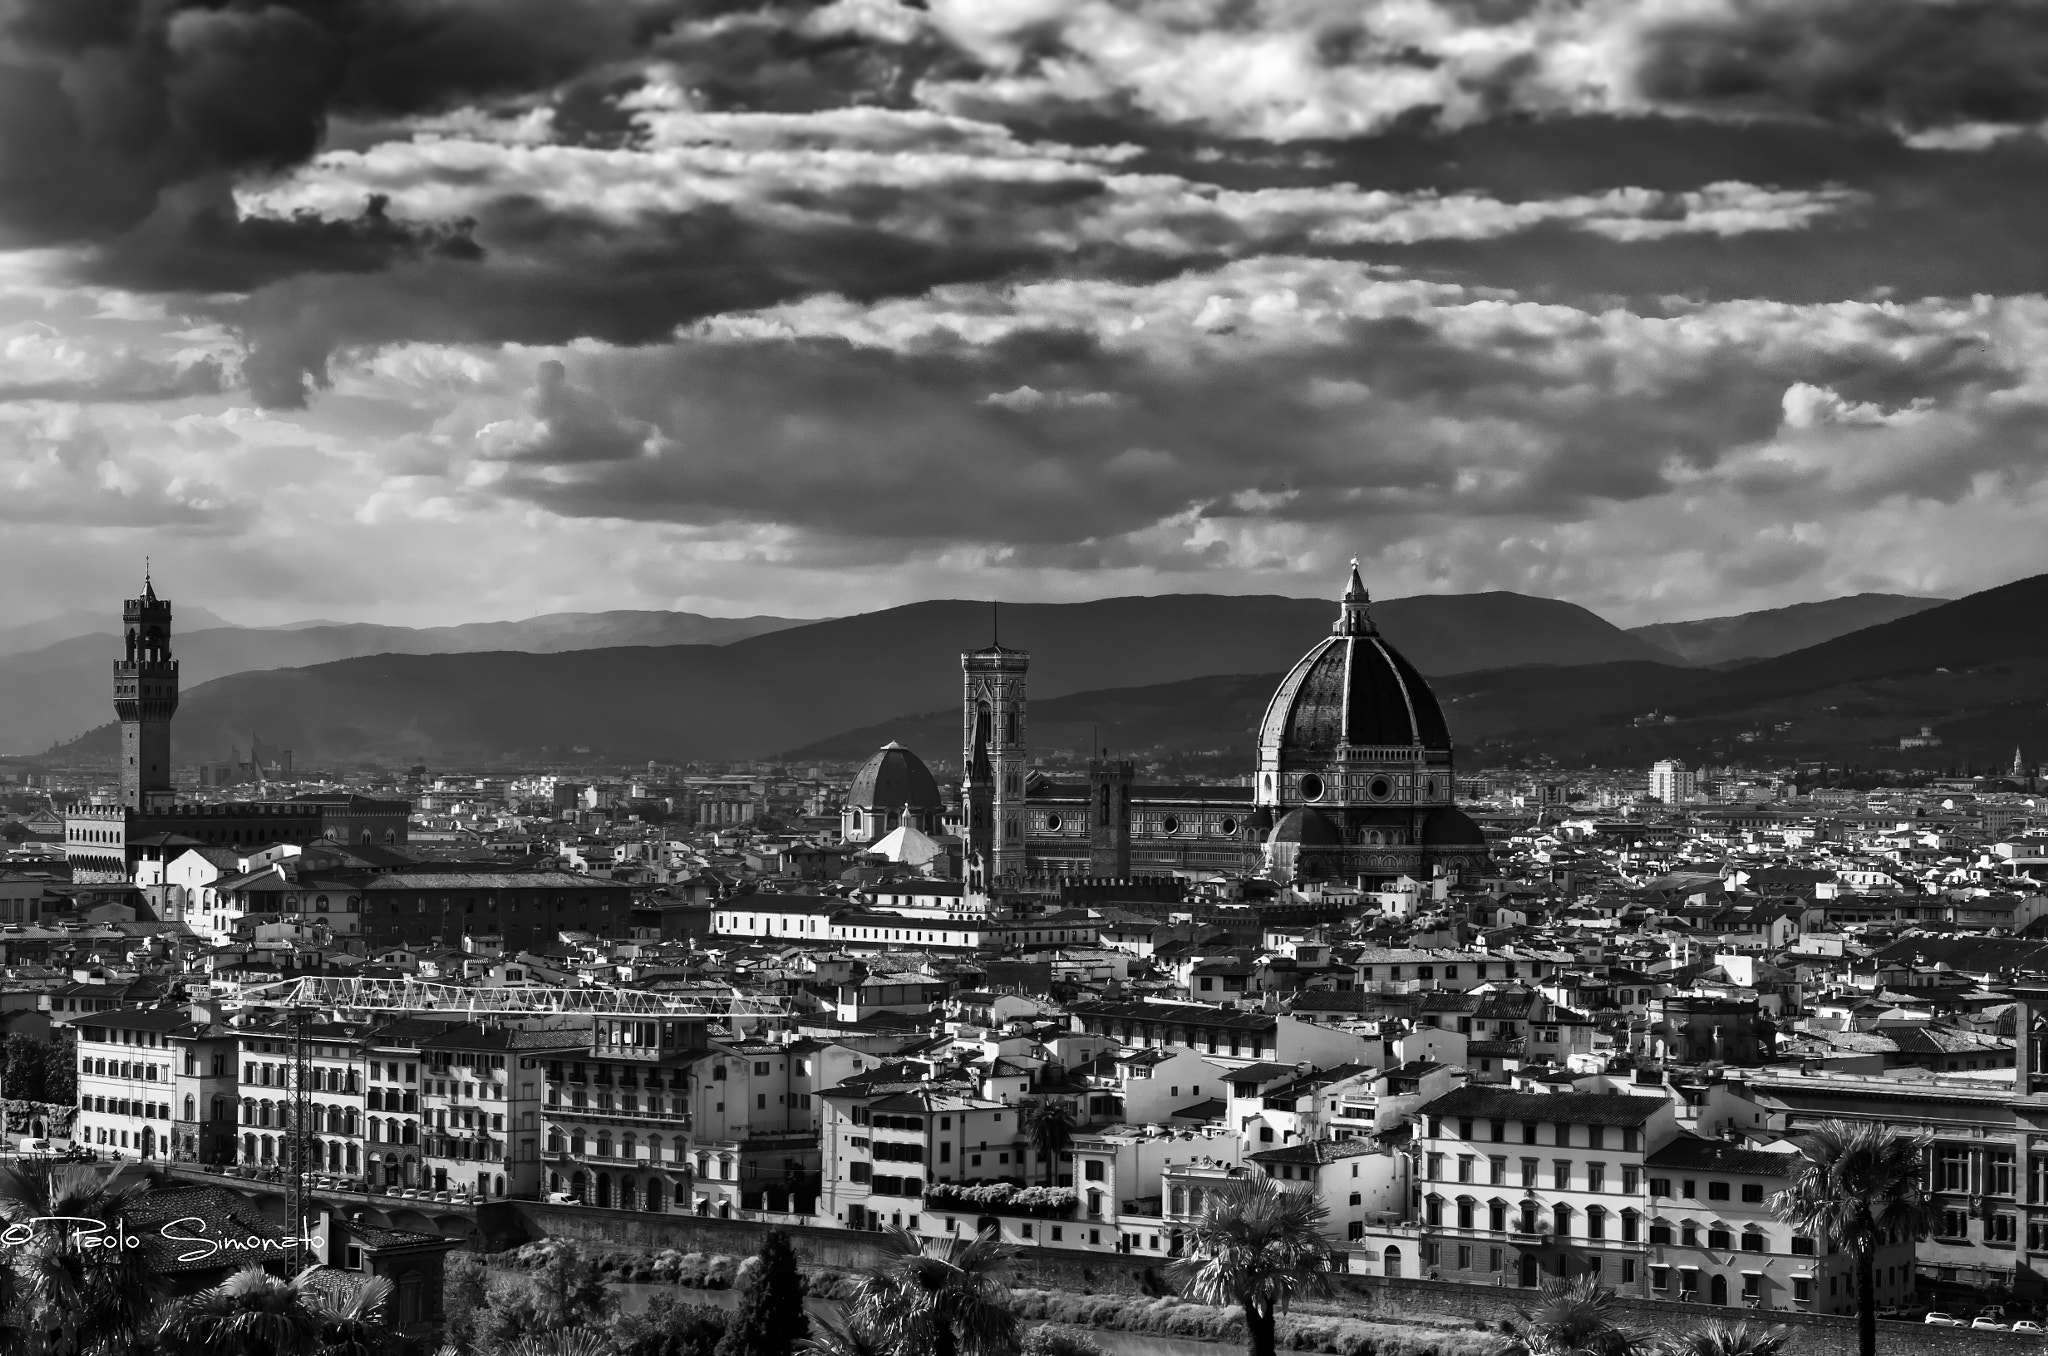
{"x": 1109, "y": 816}
{"x": 992, "y": 758}
{"x": 145, "y": 698}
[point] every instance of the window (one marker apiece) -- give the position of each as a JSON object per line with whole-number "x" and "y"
{"x": 1752, "y": 1193}
{"x": 1660, "y": 1232}
{"x": 1596, "y": 1223}
{"x": 1091, "y": 1171}
{"x": 1953, "y": 1224}
{"x": 1465, "y": 1167}
{"x": 1802, "y": 1246}
{"x": 1660, "y": 1278}
{"x": 1952, "y": 1168}
{"x": 2001, "y": 1230}
{"x": 1596, "y": 1177}
{"x": 1631, "y": 1179}
{"x": 1717, "y": 1237}
{"x": 1660, "y": 1186}
{"x": 1717, "y": 1191}
{"x": 1752, "y": 1285}
{"x": 1753, "y": 1240}
{"x": 1631, "y": 1226}
{"x": 1561, "y": 1175}
{"x": 1530, "y": 1168}
{"x": 1998, "y": 1173}
{"x": 1628, "y": 1271}
{"x": 1434, "y": 1167}
{"x": 1498, "y": 1174}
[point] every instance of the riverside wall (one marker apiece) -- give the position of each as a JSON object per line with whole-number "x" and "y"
{"x": 1373, "y": 1298}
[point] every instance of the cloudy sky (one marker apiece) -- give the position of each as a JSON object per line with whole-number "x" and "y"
{"x": 438, "y": 310}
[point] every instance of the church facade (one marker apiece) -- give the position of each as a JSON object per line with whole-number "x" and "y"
{"x": 1353, "y": 782}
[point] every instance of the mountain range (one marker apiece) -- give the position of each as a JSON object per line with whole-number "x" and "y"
{"x": 1973, "y": 671}
{"x": 1183, "y": 673}
{"x": 776, "y": 691}
{"x": 51, "y": 691}
{"x": 1779, "y": 630}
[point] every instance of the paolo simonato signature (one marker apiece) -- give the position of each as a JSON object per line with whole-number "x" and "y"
{"x": 88, "y": 1233}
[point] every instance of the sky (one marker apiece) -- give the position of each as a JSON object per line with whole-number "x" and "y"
{"x": 429, "y": 311}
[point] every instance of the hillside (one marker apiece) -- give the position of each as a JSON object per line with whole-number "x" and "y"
{"x": 1972, "y": 670}
{"x": 792, "y": 687}
{"x": 1779, "y": 630}
{"x": 53, "y": 691}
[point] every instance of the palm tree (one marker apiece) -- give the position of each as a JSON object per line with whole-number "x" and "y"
{"x": 1576, "y": 1318}
{"x": 854, "y": 1336}
{"x": 1858, "y": 1187}
{"x": 939, "y": 1296}
{"x": 1719, "y": 1337}
{"x": 86, "y": 1299}
{"x": 253, "y": 1313}
{"x": 1256, "y": 1245}
{"x": 1049, "y": 1123}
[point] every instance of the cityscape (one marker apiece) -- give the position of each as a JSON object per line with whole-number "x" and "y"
{"x": 1023, "y": 677}
{"x": 400, "y": 1013}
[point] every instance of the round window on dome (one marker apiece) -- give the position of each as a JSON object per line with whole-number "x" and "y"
{"x": 1052, "y": 823}
{"x": 1380, "y": 788}
{"x": 1311, "y": 787}
{"x": 1229, "y": 825}
{"x": 1170, "y": 824}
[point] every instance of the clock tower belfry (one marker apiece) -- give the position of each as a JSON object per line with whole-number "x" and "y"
{"x": 992, "y": 755}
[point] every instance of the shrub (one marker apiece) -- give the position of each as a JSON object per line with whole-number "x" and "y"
{"x": 1050, "y": 1339}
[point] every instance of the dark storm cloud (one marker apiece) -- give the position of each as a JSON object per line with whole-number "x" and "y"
{"x": 106, "y": 104}
{"x": 1050, "y": 441}
{"x": 554, "y": 276}
{"x": 1893, "y": 63}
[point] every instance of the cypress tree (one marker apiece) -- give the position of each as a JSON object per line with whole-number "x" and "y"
{"x": 769, "y": 1320}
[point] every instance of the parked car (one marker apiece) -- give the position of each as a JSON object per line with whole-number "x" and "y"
{"x": 1937, "y": 1319}
{"x": 2027, "y": 1325}
{"x": 35, "y": 1148}
{"x": 1990, "y": 1324}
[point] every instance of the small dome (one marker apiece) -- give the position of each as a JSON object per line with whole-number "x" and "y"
{"x": 1450, "y": 827}
{"x": 1353, "y": 688}
{"x": 1309, "y": 828}
{"x": 893, "y": 778}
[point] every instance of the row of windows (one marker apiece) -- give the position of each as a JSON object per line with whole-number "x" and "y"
{"x": 121, "y": 1068}
{"x": 1564, "y": 1175}
{"x": 1564, "y": 1134}
{"x": 122, "y": 1106}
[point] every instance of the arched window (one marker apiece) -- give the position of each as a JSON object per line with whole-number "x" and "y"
{"x": 1180, "y": 1200}
{"x": 191, "y": 1107}
{"x": 1390, "y": 1262}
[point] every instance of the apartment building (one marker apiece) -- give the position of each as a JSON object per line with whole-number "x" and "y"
{"x": 480, "y": 1105}
{"x": 127, "y": 1060}
{"x": 616, "y": 1113}
{"x": 888, "y": 1134}
{"x": 335, "y": 1078}
{"x": 1714, "y": 1238}
{"x": 1517, "y": 1186}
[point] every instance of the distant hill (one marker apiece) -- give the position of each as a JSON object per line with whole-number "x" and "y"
{"x": 795, "y": 686}
{"x": 52, "y": 692}
{"x": 79, "y": 622}
{"x": 1779, "y": 630}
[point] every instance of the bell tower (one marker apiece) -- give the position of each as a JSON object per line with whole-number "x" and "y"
{"x": 145, "y": 698}
{"x": 1109, "y": 816}
{"x": 992, "y": 750}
